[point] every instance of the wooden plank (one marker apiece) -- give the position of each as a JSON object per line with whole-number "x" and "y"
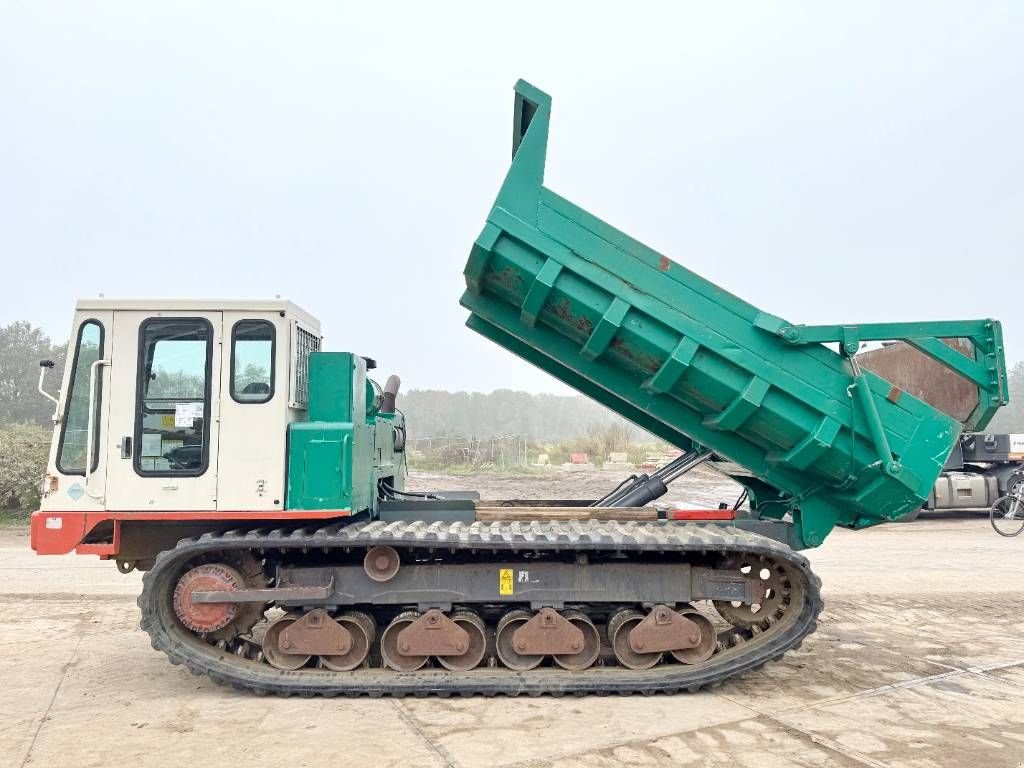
{"x": 494, "y": 514}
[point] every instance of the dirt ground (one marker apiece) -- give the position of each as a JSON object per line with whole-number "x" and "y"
{"x": 703, "y": 487}
{"x": 917, "y": 663}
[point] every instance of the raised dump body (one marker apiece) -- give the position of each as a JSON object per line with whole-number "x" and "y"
{"x": 688, "y": 361}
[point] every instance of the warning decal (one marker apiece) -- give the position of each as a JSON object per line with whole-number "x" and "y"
{"x": 505, "y": 583}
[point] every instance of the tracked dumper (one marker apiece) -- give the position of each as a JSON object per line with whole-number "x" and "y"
{"x": 260, "y": 482}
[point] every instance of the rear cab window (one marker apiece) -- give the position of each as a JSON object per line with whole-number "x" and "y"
{"x": 252, "y": 361}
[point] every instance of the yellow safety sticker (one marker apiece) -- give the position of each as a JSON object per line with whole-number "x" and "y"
{"x": 505, "y": 583}
{"x": 167, "y": 421}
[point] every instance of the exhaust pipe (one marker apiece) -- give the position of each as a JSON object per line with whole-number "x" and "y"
{"x": 390, "y": 394}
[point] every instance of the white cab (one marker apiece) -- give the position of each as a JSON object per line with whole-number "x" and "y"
{"x": 190, "y": 402}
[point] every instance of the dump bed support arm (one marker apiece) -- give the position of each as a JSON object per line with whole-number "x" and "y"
{"x": 987, "y": 370}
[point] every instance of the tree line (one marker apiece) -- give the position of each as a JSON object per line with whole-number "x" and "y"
{"x": 25, "y": 415}
{"x": 1010, "y": 418}
{"x": 543, "y": 417}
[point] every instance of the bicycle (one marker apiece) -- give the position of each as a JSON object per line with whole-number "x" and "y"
{"x": 1007, "y": 512}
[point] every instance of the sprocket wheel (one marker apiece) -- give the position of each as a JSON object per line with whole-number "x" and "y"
{"x": 248, "y": 613}
{"x": 239, "y": 566}
{"x": 777, "y": 587}
{"x": 206, "y": 617}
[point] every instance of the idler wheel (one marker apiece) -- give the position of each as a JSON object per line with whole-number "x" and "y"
{"x": 390, "y": 649}
{"x": 381, "y": 563}
{"x": 774, "y": 583}
{"x": 363, "y": 630}
{"x": 705, "y": 649}
{"x": 509, "y": 656}
{"x": 591, "y": 644}
{"x": 619, "y": 627}
{"x": 276, "y": 655}
{"x": 477, "y": 631}
{"x": 206, "y": 617}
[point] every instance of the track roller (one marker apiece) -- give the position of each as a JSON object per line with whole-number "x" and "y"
{"x": 477, "y": 631}
{"x": 272, "y": 650}
{"x": 524, "y": 639}
{"x": 620, "y": 625}
{"x": 705, "y": 647}
{"x": 591, "y": 644}
{"x": 363, "y": 629}
{"x": 389, "y": 645}
{"x": 509, "y": 656}
{"x": 381, "y": 563}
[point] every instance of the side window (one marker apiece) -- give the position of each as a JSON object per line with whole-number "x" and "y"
{"x": 172, "y": 426}
{"x": 75, "y": 424}
{"x": 252, "y": 361}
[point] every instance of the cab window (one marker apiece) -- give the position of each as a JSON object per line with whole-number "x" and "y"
{"x": 75, "y": 424}
{"x": 172, "y": 421}
{"x": 252, "y": 361}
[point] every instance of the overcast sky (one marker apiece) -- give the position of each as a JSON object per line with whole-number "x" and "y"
{"x": 827, "y": 162}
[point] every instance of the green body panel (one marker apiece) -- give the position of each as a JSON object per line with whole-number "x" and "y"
{"x": 691, "y": 363}
{"x": 336, "y": 457}
{"x": 320, "y": 465}
{"x": 337, "y": 386}
{"x": 389, "y": 462}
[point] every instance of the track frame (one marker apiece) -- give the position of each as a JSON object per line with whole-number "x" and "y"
{"x": 183, "y": 647}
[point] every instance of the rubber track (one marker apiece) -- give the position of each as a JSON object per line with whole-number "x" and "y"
{"x": 584, "y": 536}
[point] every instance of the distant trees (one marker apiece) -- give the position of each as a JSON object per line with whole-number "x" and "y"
{"x": 23, "y": 452}
{"x": 21, "y": 348}
{"x": 168, "y": 385}
{"x": 553, "y": 418}
{"x": 1011, "y": 417}
{"x": 25, "y": 425}
{"x": 431, "y": 412}
{"x": 251, "y": 374}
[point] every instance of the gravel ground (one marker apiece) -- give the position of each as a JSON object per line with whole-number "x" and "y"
{"x": 702, "y": 487}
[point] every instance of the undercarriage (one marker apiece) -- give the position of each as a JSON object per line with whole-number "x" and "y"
{"x": 459, "y": 608}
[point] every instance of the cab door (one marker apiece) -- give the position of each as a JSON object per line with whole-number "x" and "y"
{"x": 254, "y": 412}
{"x": 164, "y": 406}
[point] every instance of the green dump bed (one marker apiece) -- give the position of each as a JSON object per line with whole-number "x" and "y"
{"x": 815, "y": 435}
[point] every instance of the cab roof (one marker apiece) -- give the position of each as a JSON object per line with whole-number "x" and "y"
{"x": 200, "y": 305}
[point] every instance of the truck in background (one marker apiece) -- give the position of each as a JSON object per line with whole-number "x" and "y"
{"x": 981, "y": 468}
